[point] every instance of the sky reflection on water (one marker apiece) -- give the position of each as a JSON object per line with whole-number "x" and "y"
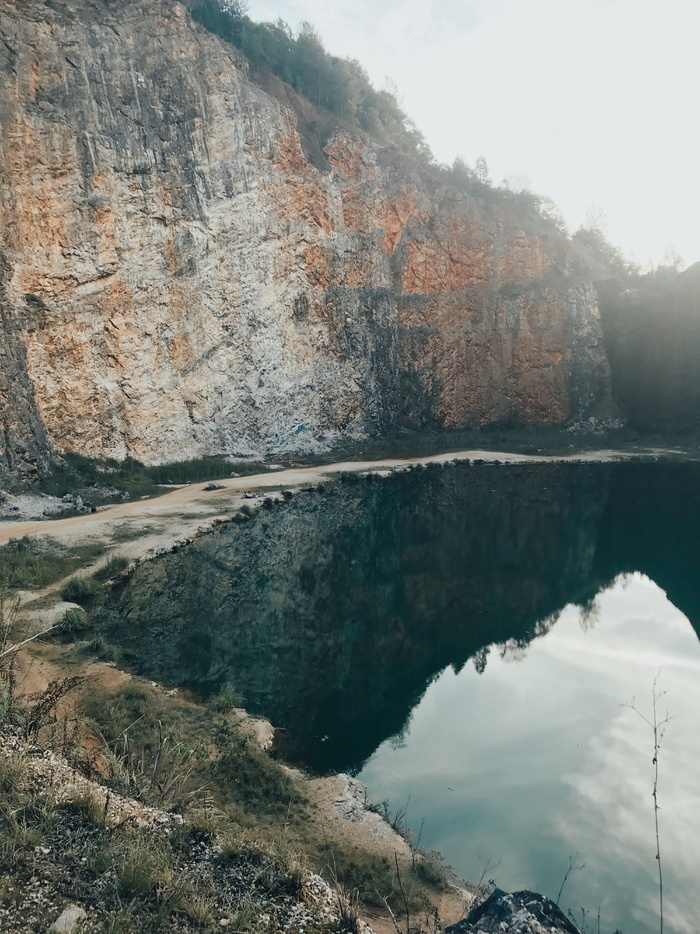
{"x": 536, "y": 760}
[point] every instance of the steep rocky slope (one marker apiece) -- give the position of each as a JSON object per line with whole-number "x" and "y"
{"x": 179, "y": 279}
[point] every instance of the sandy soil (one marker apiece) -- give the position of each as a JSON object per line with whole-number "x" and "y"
{"x": 341, "y": 815}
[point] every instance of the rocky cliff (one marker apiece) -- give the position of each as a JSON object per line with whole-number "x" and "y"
{"x": 178, "y": 277}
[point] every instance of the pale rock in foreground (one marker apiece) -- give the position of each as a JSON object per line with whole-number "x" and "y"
{"x": 68, "y": 920}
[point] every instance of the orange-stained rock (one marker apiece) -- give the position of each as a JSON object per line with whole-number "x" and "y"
{"x": 178, "y": 279}
{"x": 345, "y": 155}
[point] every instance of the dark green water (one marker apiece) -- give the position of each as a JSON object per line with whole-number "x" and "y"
{"x": 463, "y": 639}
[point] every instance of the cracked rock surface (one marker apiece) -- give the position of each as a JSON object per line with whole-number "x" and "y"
{"x": 178, "y": 279}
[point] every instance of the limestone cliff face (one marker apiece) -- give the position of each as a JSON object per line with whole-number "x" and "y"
{"x": 181, "y": 280}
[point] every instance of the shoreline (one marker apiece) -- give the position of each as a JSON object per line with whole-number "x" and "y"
{"x": 218, "y": 501}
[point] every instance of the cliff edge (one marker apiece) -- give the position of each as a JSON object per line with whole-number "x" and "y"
{"x": 178, "y": 279}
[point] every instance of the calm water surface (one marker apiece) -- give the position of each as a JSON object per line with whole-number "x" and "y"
{"x": 465, "y": 639}
{"x": 534, "y": 761}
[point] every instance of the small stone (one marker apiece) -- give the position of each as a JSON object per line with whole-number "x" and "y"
{"x": 225, "y": 922}
{"x": 68, "y": 920}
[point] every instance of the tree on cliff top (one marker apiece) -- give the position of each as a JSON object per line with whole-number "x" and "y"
{"x": 592, "y": 234}
{"x": 341, "y": 86}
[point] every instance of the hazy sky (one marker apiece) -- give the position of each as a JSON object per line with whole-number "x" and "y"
{"x": 593, "y": 102}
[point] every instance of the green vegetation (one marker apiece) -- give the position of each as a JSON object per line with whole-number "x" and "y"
{"x": 35, "y": 562}
{"x": 116, "y": 565}
{"x": 255, "y": 780}
{"x": 74, "y": 622}
{"x": 239, "y": 803}
{"x": 93, "y": 475}
{"x": 378, "y": 880}
{"x": 160, "y": 751}
{"x": 130, "y": 879}
{"x": 79, "y": 590}
{"x": 98, "y": 647}
{"x": 341, "y": 86}
{"x": 226, "y": 700}
{"x": 128, "y": 531}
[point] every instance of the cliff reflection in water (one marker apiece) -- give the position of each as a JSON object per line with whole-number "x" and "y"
{"x": 333, "y": 612}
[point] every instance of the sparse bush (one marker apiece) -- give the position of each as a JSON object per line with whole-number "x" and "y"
{"x": 340, "y": 86}
{"x": 87, "y": 804}
{"x": 74, "y": 622}
{"x": 119, "y": 922}
{"x": 13, "y": 776}
{"x": 429, "y": 873}
{"x": 103, "y": 650}
{"x": 39, "y": 714}
{"x": 206, "y": 820}
{"x": 79, "y": 590}
{"x": 253, "y": 777}
{"x": 116, "y": 565}
{"x": 379, "y": 880}
{"x": 35, "y": 562}
{"x": 141, "y": 866}
{"x": 134, "y": 477}
{"x": 227, "y": 698}
{"x": 198, "y": 908}
{"x": 280, "y": 866}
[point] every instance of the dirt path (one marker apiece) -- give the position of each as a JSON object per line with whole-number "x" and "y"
{"x": 204, "y": 504}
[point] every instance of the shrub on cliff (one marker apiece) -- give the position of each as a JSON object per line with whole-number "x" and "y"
{"x": 256, "y": 781}
{"x": 74, "y": 622}
{"x": 116, "y": 565}
{"x": 341, "y": 86}
{"x": 79, "y": 589}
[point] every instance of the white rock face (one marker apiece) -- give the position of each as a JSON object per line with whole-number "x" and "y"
{"x": 177, "y": 279}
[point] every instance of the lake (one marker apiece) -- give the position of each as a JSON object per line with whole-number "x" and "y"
{"x": 465, "y": 640}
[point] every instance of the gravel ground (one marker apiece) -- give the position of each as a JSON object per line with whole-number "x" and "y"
{"x": 60, "y": 862}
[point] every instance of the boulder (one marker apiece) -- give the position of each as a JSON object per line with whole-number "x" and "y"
{"x": 68, "y": 920}
{"x": 514, "y": 913}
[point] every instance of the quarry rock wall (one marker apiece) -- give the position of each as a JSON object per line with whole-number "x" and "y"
{"x": 179, "y": 279}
